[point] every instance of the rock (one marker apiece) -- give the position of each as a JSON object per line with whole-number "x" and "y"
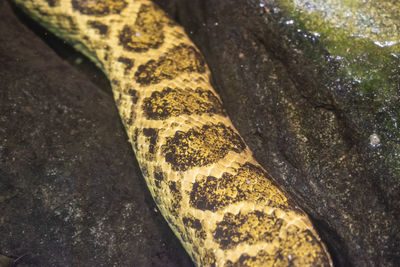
{"x": 318, "y": 106}
{"x": 71, "y": 192}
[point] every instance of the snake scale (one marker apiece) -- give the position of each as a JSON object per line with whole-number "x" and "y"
{"x": 222, "y": 205}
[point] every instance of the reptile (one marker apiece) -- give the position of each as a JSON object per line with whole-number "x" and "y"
{"x": 224, "y": 207}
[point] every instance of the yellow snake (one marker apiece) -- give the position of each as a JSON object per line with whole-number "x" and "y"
{"x": 222, "y": 205}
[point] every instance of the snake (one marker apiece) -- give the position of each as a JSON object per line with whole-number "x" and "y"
{"x": 223, "y": 206}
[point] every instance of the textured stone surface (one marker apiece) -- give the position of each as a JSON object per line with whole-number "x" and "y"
{"x": 71, "y": 193}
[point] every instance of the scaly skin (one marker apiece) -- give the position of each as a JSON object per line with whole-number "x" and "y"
{"x": 223, "y": 206}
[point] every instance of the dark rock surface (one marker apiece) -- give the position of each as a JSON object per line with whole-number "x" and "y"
{"x": 71, "y": 193}
{"x": 65, "y": 151}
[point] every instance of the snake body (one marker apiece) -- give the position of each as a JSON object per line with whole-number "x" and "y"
{"x": 222, "y": 205}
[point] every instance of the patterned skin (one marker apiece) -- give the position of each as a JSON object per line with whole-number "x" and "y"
{"x": 223, "y": 206}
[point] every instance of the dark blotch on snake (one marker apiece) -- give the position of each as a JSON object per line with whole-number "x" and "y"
{"x": 201, "y": 146}
{"x": 127, "y": 62}
{"x": 152, "y": 135}
{"x": 145, "y": 33}
{"x": 179, "y": 59}
{"x": 174, "y": 102}
{"x": 99, "y": 7}
{"x": 100, "y": 27}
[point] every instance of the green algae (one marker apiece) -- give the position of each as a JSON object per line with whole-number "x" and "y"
{"x": 363, "y": 37}
{"x": 374, "y": 20}
{"x": 352, "y": 33}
